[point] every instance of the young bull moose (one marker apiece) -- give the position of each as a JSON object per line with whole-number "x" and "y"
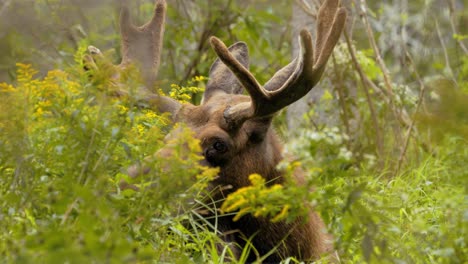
{"x": 235, "y": 130}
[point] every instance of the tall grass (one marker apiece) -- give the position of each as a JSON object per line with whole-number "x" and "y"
{"x": 66, "y": 197}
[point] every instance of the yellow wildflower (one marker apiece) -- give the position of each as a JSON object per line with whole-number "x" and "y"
{"x": 237, "y": 204}
{"x": 241, "y": 213}
{"x": 256, "y": 179}
{"x": 122, "y": 109}
{"x": 39, "y": 111}
{"x": 282, "y": 214}
{"x": 199, "y": 78}
{"x": 25, "y": 72}
{"x": 6, "y": 88}
{"x": 150, "y": 115}
{"x": 140, "y": 129}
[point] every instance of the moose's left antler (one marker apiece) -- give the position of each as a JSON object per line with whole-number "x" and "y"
{"x": 294, "y": 80}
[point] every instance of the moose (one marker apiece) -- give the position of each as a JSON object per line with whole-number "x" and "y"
{"x": 235, "y": 130}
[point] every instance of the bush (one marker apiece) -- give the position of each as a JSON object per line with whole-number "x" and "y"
{"x": 65, "y": 146}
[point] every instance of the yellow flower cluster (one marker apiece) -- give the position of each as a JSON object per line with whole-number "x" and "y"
{"x": 145, "y": 126}
{"x": 199, "y": 79}
{"x": 258, "y": 200}
{"x": 6, "y": 88}
{"x": 43, "y": 94}
{"x": 184, "y": 93}
{"x": 25, "y": 72}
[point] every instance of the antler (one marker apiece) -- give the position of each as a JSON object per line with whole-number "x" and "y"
{"x": 294, "y": 80}
{"x": 142, "y": 45}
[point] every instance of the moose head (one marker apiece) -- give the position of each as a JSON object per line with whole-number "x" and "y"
{"x": 234, "y": 129}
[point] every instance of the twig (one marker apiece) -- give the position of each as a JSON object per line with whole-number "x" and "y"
{"x": 444, "y": 48}
{"x": 422, "y": 90}
{"x": 208, "y": 30}
{"x": 68, "y": 212}
{"x": 341, "y": 96}
{"x": 306, "y": 8}
{"x": 404, "y": 117}
{"x": 452, "y": 24}
{"x": 383, "y": 68}
{"x": 378, "y": 135}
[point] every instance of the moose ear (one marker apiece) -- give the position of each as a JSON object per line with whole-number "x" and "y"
{"x": 221, "y": 79}
{"x": 257, "y": 128}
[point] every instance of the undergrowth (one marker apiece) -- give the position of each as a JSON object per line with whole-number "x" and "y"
{"x": 66, "y": 144}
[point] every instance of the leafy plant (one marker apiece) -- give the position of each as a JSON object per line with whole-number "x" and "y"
{"x": 65, "y": 144}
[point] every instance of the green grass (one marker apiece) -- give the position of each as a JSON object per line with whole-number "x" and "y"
{"x": 65, "y": 145}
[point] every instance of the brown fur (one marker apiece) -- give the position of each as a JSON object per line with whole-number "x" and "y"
{"x": 249, "y": 153}
{"x": 235, "y": 130}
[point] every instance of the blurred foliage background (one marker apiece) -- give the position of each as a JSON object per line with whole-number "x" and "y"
{"x": 384, "y": 139}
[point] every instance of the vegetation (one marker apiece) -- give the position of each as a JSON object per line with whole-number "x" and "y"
{"x": 390, "y": 175}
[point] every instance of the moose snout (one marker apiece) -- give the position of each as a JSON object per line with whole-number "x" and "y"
{"x": 210, "y": 155}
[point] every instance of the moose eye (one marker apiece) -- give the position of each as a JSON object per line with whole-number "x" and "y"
{"x": 220, "y": 146}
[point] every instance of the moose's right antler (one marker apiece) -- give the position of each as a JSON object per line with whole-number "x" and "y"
{"x": 293, "y": 81}
{"x": 142, "y": 46}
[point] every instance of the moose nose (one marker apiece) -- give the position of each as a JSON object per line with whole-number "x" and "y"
{"x": 208, "y": 153}
{"x": 210, "y": 156}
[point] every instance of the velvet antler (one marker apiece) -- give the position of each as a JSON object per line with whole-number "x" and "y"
{"x": 294, "y": 80}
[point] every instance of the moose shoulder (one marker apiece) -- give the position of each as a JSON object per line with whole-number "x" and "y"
{"x": 235, "y": 130}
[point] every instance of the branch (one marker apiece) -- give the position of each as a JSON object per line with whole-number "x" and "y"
{"x": 383, "y": 67}
{"x": 341, "y": 96}
{"x": 444, "y": 48}
{"x": 306, "y": 8}
{"x": 422, "y": 90}
{"x": 452, "y": 24}
{"x": 378, "y": 135}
